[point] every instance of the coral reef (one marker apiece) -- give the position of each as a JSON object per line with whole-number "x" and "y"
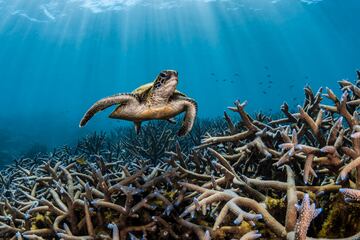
{"x": 260, "y": 178}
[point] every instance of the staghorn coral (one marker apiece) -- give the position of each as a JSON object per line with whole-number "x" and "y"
{"x": 350, "y": 194}
{"x": 239, "y": 183}
{"x": 307, "y": 212}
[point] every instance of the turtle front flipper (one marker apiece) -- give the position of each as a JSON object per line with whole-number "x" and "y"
{"x": 104, "y": 103}
{"x": 190, "y": 115}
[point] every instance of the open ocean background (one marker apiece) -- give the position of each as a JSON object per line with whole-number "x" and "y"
{"x": 57, "y": 57}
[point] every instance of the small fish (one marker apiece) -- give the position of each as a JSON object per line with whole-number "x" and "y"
{"x": 212, "y": 74}
{"x": 270, "y": 82}
{"x": 268, "y": 75}
{"x": 224, "y": 80}
{"x": 236, "y": 74}
{"x": 232, "y": 81}
{"x": 260, "y": 83}
{"x": 291, "y": 86}
{"x": 217, "y": 80}
{"x": 264, "y": 92}
{"x": 266, "y": 67}
{"x": 81, "y": 161}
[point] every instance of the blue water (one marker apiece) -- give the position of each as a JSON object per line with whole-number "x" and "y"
{"x": 58, "y": 57}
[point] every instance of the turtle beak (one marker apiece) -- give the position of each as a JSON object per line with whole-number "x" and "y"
{"x": 175, "y": 78}
{"x": 174, "y": 75}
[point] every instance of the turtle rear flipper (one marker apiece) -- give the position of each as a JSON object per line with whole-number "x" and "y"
{"x": 171, "y": 120}
{"x": 137, "y": 127}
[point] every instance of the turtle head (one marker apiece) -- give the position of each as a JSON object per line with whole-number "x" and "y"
{"x": 165, "y": 84}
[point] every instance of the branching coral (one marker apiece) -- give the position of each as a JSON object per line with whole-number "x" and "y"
{"x": 59, "y": 200}
{"x": 307, "y": 212}
{"x": 350, "y": 194}
{"x": 242, "y": 182}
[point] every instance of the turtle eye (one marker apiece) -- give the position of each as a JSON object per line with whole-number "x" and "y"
{"x": 163, "y": 75}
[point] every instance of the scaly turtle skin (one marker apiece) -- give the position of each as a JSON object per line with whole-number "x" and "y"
{"x": 156, "y": 100}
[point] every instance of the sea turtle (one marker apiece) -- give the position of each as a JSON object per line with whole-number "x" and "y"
{"x": 155, "y": 100}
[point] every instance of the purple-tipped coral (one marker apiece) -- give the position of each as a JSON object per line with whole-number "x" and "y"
{"x": 350, "y": 194}
{"x": 307, "y": 212}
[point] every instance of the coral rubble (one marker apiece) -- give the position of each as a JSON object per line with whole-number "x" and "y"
{"x": 243, "y": 181}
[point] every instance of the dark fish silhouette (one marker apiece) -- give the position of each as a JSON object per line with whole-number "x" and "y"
{"x": 212, "y": 74}
{"x": 358, "y": 74}
{"x": 224, "y": 80}
{"x": 264, "y": 92}
{"x": 232, "y": 81}
{"x": 269, "y": 75}
{"x": 236, "y": 75}
{"x": 266, "y": 67}
{"x": 260, "y": 83}
{"x": 270, "y": 81}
